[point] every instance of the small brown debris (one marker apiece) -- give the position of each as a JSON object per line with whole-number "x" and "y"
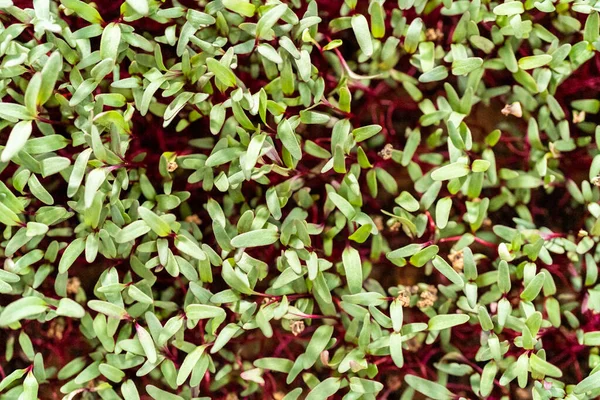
{"x": 578, "y": 117}
{"x": 56, "y": 329}
{"x": 172, "y": 166}
{"x": 386, "y": 152}
{"x": 395, "y": 227}
{"x": 378, "y": 220}
{"x": 428, "y": 297}
{"x": 457, "y": 260}
{"x": 194, "y": 218}
{"x": 297, "y": 327}
{"x": 404, "y": 298}
{"x": 73, "y": 285}
{"x": 513, "y": 109}
{"x": 433, "y": 35}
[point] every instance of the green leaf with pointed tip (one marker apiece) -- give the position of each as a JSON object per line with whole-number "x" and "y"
{"x": 445, "y": 321}
{"x": 343, "y": 205}
{"x": 288, "y": 139}
{"x": 534, "y": 287}
{"x": 318, "y": 343}
{"x": 70, "y": 308}
{"x": 83, "y": 10}
{"x": 445, "y": 269}
{"x": 156, "y": 223}
{"x": 423, "y": 256}
{"x": 224, "y": 74}
{"x": 189, "y": 363}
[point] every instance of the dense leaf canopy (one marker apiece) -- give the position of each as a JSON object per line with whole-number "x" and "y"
{"x": 299, "y": 199}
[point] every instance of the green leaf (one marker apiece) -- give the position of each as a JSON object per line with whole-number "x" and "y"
{"x": 423, "y": 256}
{"x": 132, "y": 232}
{"x": 532, "y": 62}
{"x": 111, "y": 373}
{"x": 450, "y": 171}
{"x": 430, "y": 389}
{"x": 139, "y": 6}
{"x": 159, "y": 394}
{"x": 343, "y": 205}
{"x": 269, "y": 19}
{"x": 189, "y": 363}
{"x": 407, "y": 201}
{"x": 318, "y": 342}
{"x": 94, "y": 180}
{"x": 591, "y": 383}
{"x": 509, "y": 8}
{"x": 413, "y": 36}
{"x": 106, "y": 308}
{"x": 445, "y": 269}
{"x": 360, "y": 26}
{"x": 288, "y": 139}
{"x": 480, "y": 166}
{"x": 110, "y": 41}
{"x": 71, "y": 253}
{"x": 544, "y": 367}
{"x": 436, "y": 74}
{"x": 323, "y": 390}
{"x": 256, "y": 238}
{"x": 23, "y": 308}
{"x": 83, "y": 10}
{"x": 465, "y": 66}
{"x": 242, "y": 7}
{"x": 442, "y": 212}
{"x": 533, "y": 287}
{"x": 16, "y": 140}
{"x": 396, "y": 349}
{"x": 353, "y": 269}
{"x": 365, "y": 132}
{"x": 69, "y": 308}
{"x": 224, "y": 74}
{"x": 203, "y": 311}
{"x": 14, "y": 112}
{"x": 156, "y": 223}
{"x": 187, "y": 246}
{"x": 445, "y": 321}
